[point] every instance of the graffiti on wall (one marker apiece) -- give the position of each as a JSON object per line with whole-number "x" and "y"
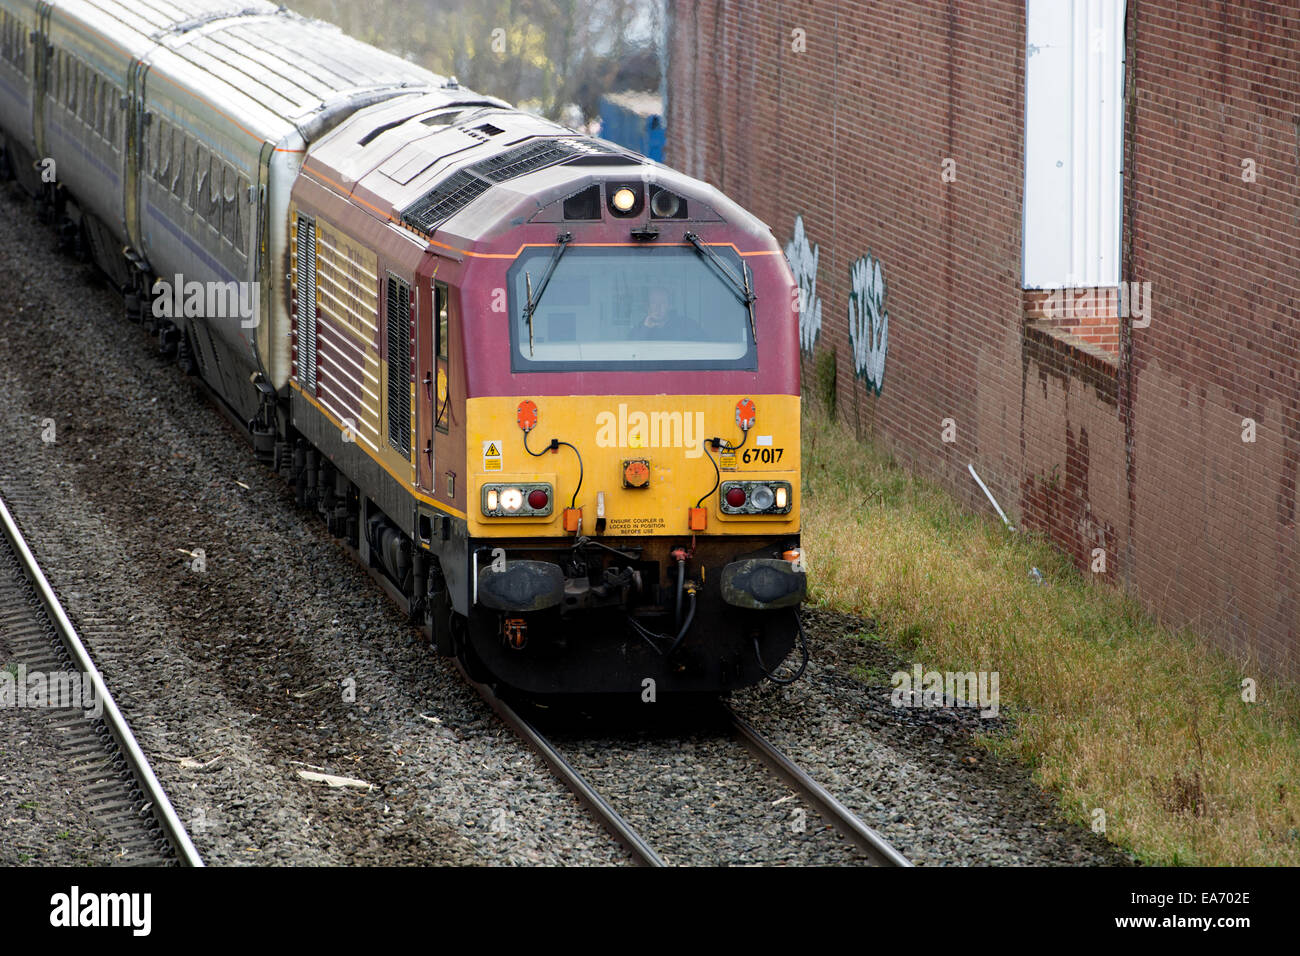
{"x": 868, "y": 321}
{"x": 802, "y": 256}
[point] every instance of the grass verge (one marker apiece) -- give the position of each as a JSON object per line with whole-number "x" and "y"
{"x": 1113, "y": 711}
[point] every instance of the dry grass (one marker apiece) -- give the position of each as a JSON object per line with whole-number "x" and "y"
{"x": 1110, "y": 709}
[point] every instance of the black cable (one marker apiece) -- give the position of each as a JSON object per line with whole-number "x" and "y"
{"x": 717, "y": 482}
{"x": 803, "y": 643}
{"x": 686, "y": 625}
{"x": 556, "y": 443}
{"x": 535, "y": 454}
{"x": 573, "y": 502}
{"x": 717, "y": 477}
{"x": 681, "y": 586}
{"x": 653, "y": 639}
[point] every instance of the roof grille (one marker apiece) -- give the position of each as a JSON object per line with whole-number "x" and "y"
{"x": 451, "y": 195}
{"x": 524, "y": 159}
{"x": 465, "y": 185}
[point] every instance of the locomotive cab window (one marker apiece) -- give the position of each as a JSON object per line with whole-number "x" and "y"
{"x": 644, "y": 308}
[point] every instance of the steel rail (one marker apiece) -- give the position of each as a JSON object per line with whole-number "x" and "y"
{"x": 876, "y": 847}
{"x": 608, "y": 817}
{"x": 159, "y": 804}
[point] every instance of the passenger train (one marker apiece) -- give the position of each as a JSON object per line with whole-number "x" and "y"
{"x": 545, "y": 388}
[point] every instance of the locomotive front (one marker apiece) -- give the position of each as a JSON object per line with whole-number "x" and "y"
{"x": 633, "y": 444}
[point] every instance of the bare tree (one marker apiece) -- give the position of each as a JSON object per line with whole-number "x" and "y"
{"x": 539, "y": 54}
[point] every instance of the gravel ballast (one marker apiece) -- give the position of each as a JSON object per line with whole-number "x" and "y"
{"x": 282, "y": 656}
{"x": 237, "y": 677}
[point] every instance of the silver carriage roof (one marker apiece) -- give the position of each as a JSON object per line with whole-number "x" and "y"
{"x": 252, "y": 58}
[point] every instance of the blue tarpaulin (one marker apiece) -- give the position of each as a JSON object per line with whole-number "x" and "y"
{"x": 634, "y": 120}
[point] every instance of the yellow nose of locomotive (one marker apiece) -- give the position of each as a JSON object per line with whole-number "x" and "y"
{"x": 633, "y": 466}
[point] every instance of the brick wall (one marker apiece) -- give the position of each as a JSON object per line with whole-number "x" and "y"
{"x": 847, "y": 115}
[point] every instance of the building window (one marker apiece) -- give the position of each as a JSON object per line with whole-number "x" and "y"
{"x": 1074, "y": 124}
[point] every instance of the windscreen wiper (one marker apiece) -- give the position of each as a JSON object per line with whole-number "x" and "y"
{"x": 742, "y": 286}
{"x": 561, "y": 243}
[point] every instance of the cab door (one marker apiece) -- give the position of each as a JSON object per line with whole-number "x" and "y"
{"x": 433, "y": 392}
{"x": 137, "y": 122}
{"x": 426, "y": 333}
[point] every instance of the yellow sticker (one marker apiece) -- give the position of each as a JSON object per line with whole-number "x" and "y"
{"x": 492, "y": 455}
{"x": 727, "y": 460}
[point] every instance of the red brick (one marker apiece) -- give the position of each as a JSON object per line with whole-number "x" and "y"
{"x": 1145, "y": 460}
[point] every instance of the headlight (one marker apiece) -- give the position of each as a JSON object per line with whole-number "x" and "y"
{"x": 624, "y": 199}
{"x": 756, "y": 498}
{"x": 517, "y": 500}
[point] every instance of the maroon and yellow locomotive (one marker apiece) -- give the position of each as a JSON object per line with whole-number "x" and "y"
{"x": 547, "y": 388}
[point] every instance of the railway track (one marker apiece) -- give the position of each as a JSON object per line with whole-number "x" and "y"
{"x": 876, "y": 848}
{"x": 120, "y": 788}
{"x": 872, "y": 845}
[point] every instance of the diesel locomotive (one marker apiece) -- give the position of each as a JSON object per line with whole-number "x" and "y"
{"x": 545, "y": 388}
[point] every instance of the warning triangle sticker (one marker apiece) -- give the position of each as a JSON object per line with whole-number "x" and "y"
{"x": 492, "y": 450}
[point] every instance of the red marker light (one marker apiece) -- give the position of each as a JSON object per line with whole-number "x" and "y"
{"x": 735, "y": 496}
{"x": 538, "y": 499}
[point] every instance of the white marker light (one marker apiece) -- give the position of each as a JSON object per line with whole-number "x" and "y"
{"x": 781, "y": 497}
{"x": 512, "y": 499}
{"x": 493, "y": 500}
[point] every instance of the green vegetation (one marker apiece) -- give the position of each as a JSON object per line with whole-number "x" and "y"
{"x": 1111, "y": 710}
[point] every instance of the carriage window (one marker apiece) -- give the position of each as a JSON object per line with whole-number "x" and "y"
{"x": 213, "y": 210}
{"x": 655, "y": 307}
{"x": 13, "y": 42}
{"x": 114, "y": 99}
{"x": 164, "y": 157}
{"x": 198, "y": 188}
{"x": 92, "y": 103}
{"x": 230, "y": 206}
{"x": 106, "y": 106}
{"x": 244, "y": 205}
{"x": 181, "y": 152}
